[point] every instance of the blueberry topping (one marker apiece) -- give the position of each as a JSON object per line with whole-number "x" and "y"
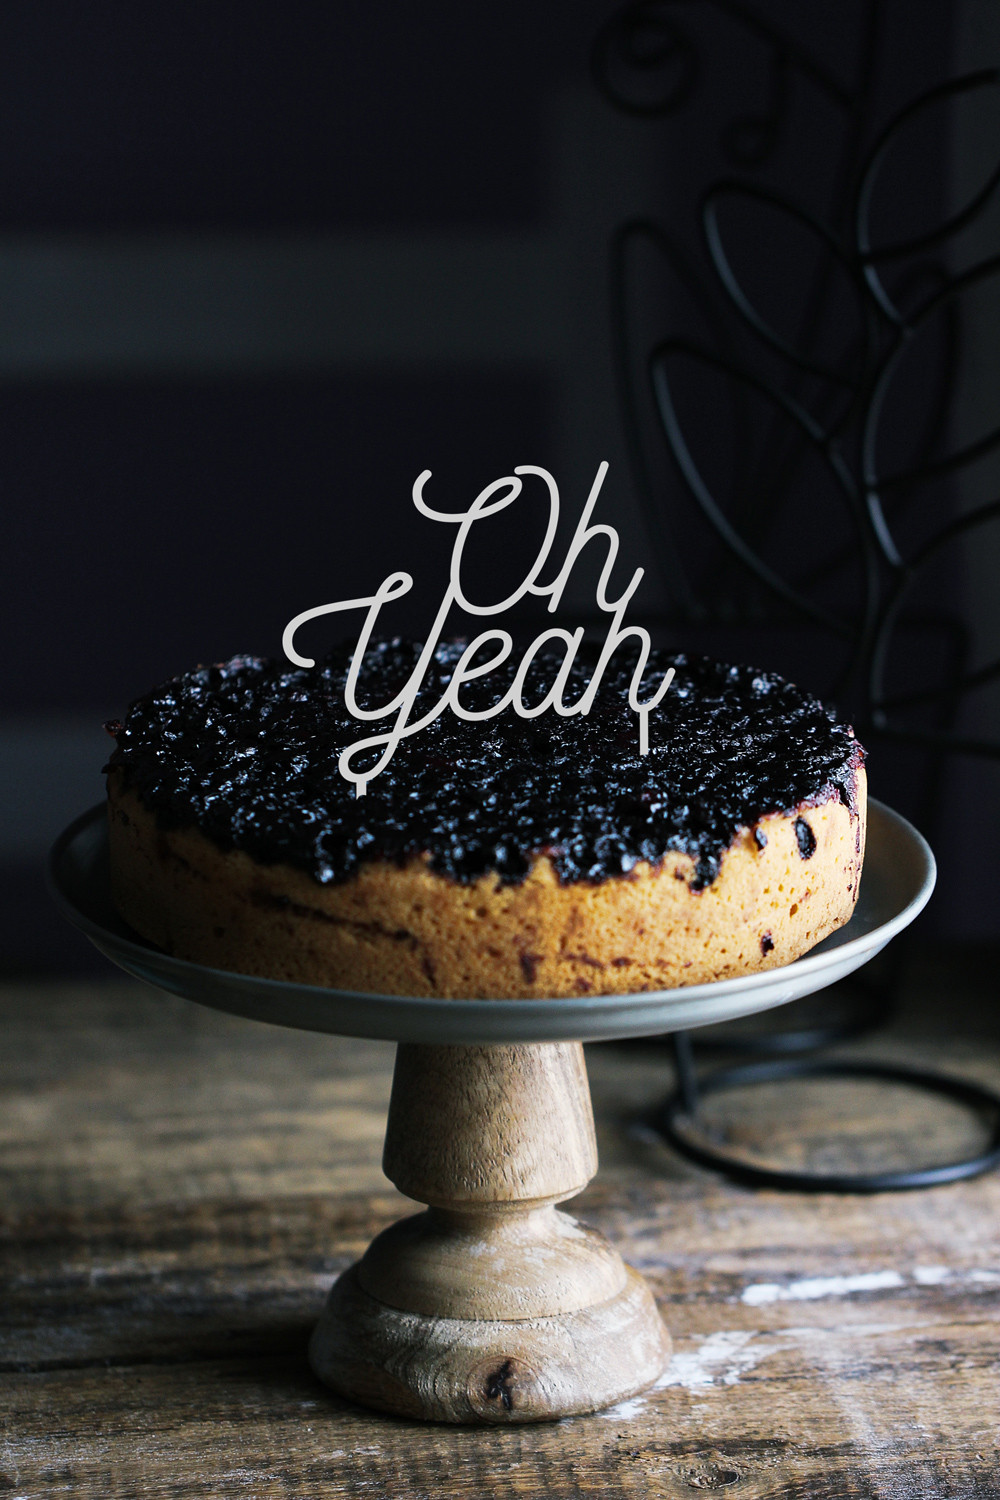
{"x": 247, "y": 751}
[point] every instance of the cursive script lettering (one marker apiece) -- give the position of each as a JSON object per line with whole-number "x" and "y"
{"x": 489, "y": 502}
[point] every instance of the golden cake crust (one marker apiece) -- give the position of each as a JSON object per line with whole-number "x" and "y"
{"x": 406, "y": 930}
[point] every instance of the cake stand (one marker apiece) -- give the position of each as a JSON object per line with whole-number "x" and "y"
{"x": 493, "y": 1306}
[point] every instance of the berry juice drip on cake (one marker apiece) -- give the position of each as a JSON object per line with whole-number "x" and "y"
{"x": 504, "y": 857}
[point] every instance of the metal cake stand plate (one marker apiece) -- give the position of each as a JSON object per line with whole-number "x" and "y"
{"x": 492, "y": 1306}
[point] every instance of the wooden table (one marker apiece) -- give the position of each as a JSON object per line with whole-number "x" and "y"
{"x": 180, "y": 1188}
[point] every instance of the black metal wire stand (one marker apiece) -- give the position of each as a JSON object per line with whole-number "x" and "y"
{"x": 800, "y": 404}
{"x": 678, "y": 1121}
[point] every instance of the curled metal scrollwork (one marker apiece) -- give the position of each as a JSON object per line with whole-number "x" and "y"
{"x": 787, "y": 394}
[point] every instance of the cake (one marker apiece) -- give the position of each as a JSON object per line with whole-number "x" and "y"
{"x": 508, "y": 858}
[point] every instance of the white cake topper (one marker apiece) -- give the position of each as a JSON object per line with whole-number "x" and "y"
{"x": 495, "y": 497}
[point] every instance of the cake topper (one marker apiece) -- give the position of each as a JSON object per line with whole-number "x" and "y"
{"x": 494, "y": 498}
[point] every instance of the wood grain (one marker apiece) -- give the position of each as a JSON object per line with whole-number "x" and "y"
{"x": 492, "y": 1306}
{"x": 179, "y": 1189}
{"x": 486, "y": 1126}
{"x": 480, "y": 1370}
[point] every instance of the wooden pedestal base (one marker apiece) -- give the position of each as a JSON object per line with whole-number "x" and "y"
{"x": 482, "y": 1370}
{"x": 492, "y": 1306}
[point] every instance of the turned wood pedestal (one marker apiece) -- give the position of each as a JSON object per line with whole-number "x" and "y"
{"x": 492, "y": 1306}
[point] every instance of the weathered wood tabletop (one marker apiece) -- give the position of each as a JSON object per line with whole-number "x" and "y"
{"x": 179, "y": 1189}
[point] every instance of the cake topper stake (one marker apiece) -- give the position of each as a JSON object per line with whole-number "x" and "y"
{"x": 494, "y": 498}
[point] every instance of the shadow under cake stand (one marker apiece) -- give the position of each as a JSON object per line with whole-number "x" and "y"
{"x": 493, "y": 1306}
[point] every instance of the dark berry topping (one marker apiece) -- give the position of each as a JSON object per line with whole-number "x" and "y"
{"x": 248, "y": 751}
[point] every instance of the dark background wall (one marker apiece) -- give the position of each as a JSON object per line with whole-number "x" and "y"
{"x": 260, "y": 266}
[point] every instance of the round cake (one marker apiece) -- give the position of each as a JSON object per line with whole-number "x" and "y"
{"x": 507, "y": 858}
